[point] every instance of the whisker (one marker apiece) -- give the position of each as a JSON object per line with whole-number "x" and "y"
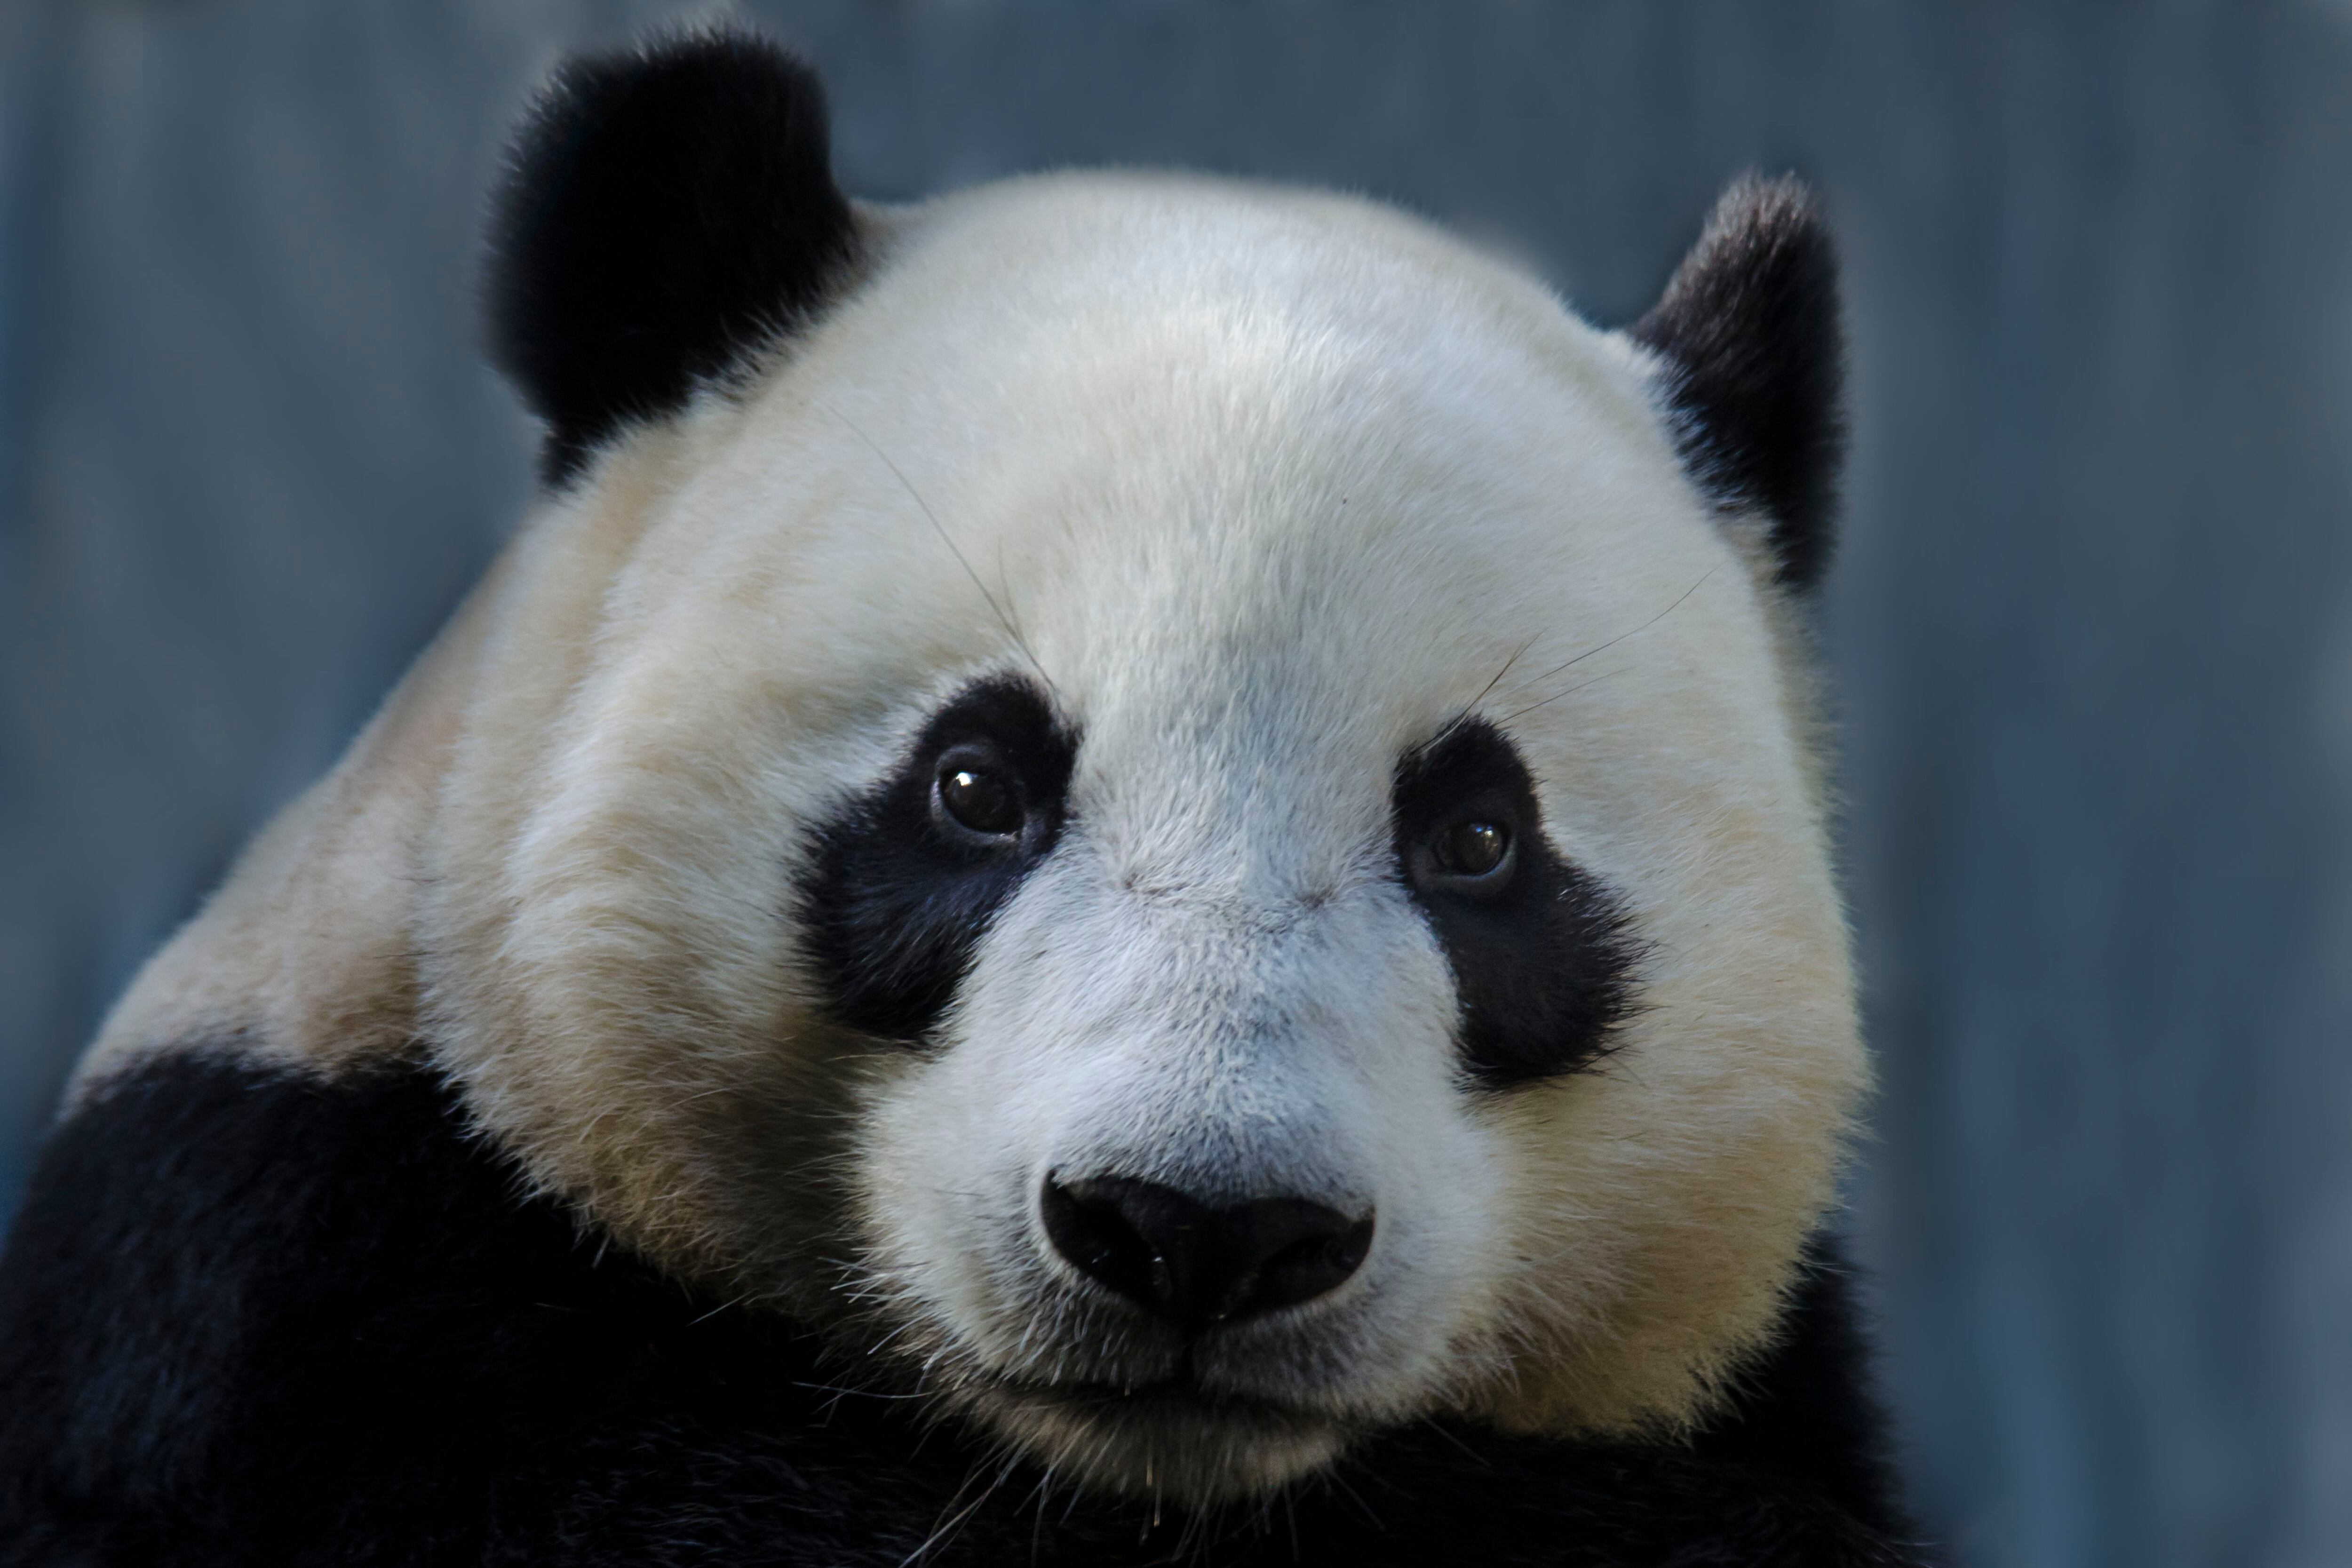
{"x": 1484, "y": 692}
{"x": 1612, "y": 642}
{"x": 1558, "y": 696}
{"x": 939, "y": 528}
{"x": 1439, "y": 1427}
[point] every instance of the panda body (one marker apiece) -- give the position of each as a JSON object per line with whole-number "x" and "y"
{"x": 1130, "y": 867}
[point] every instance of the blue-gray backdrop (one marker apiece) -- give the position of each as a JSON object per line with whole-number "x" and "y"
{"x": 2092, "y": 627}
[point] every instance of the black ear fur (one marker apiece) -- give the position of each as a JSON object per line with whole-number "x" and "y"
{"x": 664, "y": 213}
{"x": 1749, "y": 327}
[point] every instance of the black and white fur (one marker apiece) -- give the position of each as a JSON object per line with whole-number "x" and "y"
{"x": 1130, "y": 869}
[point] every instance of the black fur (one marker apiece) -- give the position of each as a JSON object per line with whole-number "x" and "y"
{"x": 665, "y": 215}
{"x": 1543, "y": 966}
{"x": 1749, "y": 329}
{"x": 252, "y": 1318}
{"x": 895, "y": 898}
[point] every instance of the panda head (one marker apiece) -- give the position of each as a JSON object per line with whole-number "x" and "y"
{"x": 1180, "y": 812}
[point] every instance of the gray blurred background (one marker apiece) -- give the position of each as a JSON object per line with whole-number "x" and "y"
{"x": 2091, "y": 629}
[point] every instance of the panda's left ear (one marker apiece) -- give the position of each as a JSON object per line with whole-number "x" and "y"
{"x": 666, "y": 212}
{"x": 1752, "y": 362}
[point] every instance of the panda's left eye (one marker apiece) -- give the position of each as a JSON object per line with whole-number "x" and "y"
{"x": 979, "y": 794}
{"x": 1477, "y": 848}
{"x": 1471, "y": 855}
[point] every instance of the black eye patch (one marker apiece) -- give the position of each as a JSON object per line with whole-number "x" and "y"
{"x": 904, "y": 880}
{"x": 1541, "y": 955}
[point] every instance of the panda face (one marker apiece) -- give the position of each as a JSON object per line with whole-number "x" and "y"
{"x": 1167, "y": 1178}
{"x": 1181, "y": 828}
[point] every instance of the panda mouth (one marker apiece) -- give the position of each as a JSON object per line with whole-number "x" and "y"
{"x": 1180, "y": 1389}
{"x": 1176, "y": 1409}
{"x": 1168, "y": 1437}
{"x": 1182, "y": 1393}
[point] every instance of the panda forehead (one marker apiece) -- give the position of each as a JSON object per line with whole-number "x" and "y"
{"x": 1211, "y": 400}
{"x": 1256, "y": 373}
{"x": 1177, "y": 332}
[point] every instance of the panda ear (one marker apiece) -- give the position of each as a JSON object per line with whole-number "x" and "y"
{"x": 664, "y": 213}
{"x": 1753, "y": 358}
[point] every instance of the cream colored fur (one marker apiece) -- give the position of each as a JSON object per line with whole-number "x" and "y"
{"x": 1268, "y": 487}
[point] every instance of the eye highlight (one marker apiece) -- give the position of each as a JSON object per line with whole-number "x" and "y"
{"x": 1476, "y": 848}
{"x": 978, "y": 793}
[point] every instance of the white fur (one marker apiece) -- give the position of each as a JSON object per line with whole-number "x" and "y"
{"x": 1268, "y": 487}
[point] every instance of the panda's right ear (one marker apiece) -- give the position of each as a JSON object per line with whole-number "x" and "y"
{"x": 664, "y": 213}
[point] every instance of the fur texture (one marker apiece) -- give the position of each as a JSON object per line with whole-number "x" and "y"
{"x": 1251, "y": 551}
{"x": 338, "y": 1332}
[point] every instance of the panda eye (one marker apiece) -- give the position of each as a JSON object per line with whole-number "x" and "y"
{"x": 1473, "y": 851}
{"x": 978, "y": 793}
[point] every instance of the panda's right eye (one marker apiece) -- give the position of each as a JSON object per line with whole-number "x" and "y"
{"x": 977, "y": 792}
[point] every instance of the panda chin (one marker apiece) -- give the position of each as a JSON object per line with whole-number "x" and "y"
{"x": 1168, "y": 1441}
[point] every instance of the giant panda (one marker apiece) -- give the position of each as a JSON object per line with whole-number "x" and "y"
{"x": 1128, "y": 869}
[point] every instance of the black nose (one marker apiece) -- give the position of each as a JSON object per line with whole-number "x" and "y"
{"x": 1194, "y": 1265}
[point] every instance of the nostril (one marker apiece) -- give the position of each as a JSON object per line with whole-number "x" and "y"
{"x": 1088, "y": 1226}
{"x": 1194, "y": 1265}
{"x": 1318, "y": 1262}
{"x": 1293, "y": 1250}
